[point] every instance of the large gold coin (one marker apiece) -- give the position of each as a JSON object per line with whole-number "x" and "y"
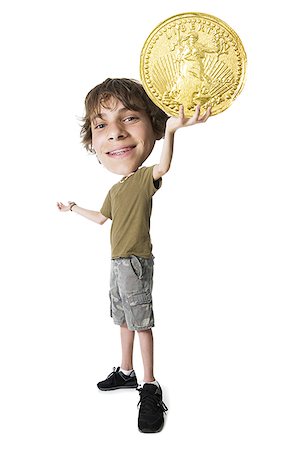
{"x": 191, "y": 59}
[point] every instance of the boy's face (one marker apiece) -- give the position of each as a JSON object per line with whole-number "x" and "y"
{"x": 123, "y": 139}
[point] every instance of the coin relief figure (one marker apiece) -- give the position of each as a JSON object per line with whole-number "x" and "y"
{"x": 192, "y": 84}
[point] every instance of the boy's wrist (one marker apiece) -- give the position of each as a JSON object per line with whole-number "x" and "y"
{"x": 169, "y": 132}
{"x": 72, "y": 205}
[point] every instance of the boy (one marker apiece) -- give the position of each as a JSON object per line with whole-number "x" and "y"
{"x": 121, "y": 126}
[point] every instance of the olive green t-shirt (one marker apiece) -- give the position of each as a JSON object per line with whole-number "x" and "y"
{"x": 129, "y": 204}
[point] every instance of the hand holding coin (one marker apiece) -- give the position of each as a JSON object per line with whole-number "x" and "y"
{"x": 173, "y": 123}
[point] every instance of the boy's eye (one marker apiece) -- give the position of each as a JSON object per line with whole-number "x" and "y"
{"x": 130, "y": 118}
{"x": 98, "y": 126}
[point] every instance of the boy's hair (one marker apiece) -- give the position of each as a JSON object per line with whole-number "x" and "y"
{"x": 133, "y": 96}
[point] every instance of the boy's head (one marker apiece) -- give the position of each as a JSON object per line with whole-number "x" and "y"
{"x": 121, "y": 124}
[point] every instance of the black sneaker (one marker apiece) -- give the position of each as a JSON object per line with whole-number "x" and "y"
{"x": 151, "y": 410}
{"x": 118, "y": 380}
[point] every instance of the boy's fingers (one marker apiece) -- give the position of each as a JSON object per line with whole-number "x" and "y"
{"x": 194, "y": 119}
{"x": 181, "y": 111}
{"x": 206, "y": 115}
{"x": 197, "y": 111}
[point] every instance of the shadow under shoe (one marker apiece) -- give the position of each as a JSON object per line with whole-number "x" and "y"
{"x": 118, "y": 380}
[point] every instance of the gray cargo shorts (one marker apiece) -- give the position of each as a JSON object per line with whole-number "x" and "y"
{"x": 131, "y": 292}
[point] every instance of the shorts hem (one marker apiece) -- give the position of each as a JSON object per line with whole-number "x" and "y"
{"x": 133, "y": 328}
{"x": 136, "y": 328}
{"x": 119, "y": 323}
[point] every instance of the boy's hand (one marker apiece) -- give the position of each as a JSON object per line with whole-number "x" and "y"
{"x": 63, "y": 207}
{"x": 173, "y": 123}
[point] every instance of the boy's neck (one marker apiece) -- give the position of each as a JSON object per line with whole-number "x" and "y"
{"x": 125, "y": 177}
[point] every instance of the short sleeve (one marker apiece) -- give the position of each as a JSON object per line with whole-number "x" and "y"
{"x": 106, "y": 209}
{"x": 151, "y": 185}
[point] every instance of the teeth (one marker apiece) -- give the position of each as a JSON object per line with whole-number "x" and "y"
{"x": 118, "y": 152}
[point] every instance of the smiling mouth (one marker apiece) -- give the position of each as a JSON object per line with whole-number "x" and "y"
{"x": 121, "y": 153}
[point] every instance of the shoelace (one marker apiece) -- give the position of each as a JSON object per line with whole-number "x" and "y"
{"x": 115, "y": 369}
{"x": 148, "y": 400}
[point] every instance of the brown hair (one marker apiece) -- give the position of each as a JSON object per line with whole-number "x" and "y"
{"x": 133, "y": 96}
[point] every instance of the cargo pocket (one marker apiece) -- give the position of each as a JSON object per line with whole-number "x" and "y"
{"x": 140, "y": 299}
{"x": 141, "y": 310}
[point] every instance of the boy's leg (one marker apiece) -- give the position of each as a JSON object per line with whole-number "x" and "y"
{"x": 127, "y": 344}
{"x": 119, "y": 378}
{"x": 152, "y": 408}
{"x": 146, "y": 345}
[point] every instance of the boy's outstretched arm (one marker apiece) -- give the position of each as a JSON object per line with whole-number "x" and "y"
{"x": 172, "y": 124}
{"x": 95, "y": 216}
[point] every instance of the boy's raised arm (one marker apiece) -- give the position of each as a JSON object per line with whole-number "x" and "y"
{"x": 173, "y": 124}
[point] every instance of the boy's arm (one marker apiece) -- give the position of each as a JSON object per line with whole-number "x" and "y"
{"x": 172, "y": 124}
{"x": 95, "y": 216}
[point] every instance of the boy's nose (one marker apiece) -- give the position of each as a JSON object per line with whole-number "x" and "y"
{"x": 116, "y": 132}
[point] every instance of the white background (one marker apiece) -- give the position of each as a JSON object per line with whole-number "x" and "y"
{"x": 220, "y": 230}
